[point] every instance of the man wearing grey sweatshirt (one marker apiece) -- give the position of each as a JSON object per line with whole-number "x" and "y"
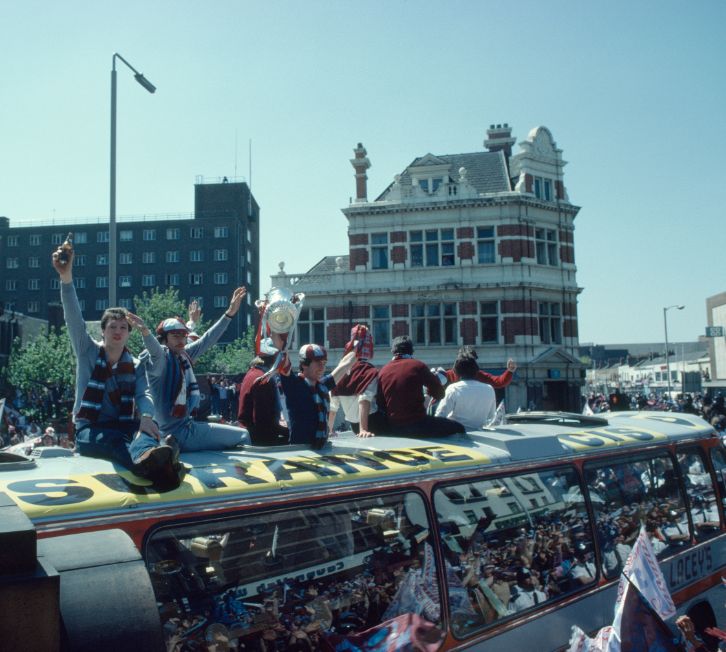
{"x": 174, "y": 388}
{"x": 112, "y": 390}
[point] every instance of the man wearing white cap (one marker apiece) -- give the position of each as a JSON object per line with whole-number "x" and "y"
{"x": 174, "y": 387}
{"x": 307, "y": 395}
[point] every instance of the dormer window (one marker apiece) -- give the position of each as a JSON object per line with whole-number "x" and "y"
{"x": 430, "y": 185}
{"x": 543, "y": 188}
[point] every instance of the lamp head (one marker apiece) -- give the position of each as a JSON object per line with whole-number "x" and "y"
{"x": 145, "y": 82}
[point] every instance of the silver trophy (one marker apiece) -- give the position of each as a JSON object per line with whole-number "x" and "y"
{"x": 279, "y": 313}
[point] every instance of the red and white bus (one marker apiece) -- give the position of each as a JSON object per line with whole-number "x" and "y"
{"x": 500, "y": 539}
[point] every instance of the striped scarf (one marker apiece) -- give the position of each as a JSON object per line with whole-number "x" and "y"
{"x": 121, "y": 392}
{"x": 321, "y": 398}
{"x": 181, "y": 387}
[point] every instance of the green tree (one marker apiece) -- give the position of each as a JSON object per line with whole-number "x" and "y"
{"x": 46, "y": 361}
{"x": 232, "y": 358}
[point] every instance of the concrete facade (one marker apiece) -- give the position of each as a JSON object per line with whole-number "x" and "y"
{"x": 473, "y": 248}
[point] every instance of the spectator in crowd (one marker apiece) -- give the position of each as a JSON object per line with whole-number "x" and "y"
{"x": 174, "y": 387}
{"x": 400, "y": 393}
{"x": 526, "y": 595}
{"x": 468, "y": 401}
{"x": 356, "y": 391}
{"x": 110, "y": 387}
{"x": 214, "y": 394}
{"x": 307, "y": 394}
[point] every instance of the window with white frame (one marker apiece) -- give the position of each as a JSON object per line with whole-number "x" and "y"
{"x": 80, "y": 260}
{"x": 101, "y": 304}
{"x": 57, "y": 238}
{"x": 311, "y": 326}
{"x": 196, "y": 255}
{"x": 485, "y": 245}
{"x": 10, "y": 305}
{"x": 543, "y": 188}
{"x": 381, "y": 320}
{"x": 148, "y": 257}
{"x": 148, "y": 280}
{"x": 124, "y": 281}
{"x": 34, "y": 262}
{"x": 12, "y": 241}
{"x": 221, "y": 278}
{"x": 11, "y": 284}
{"x": 82, "y": 304}
{"x": 126, "y": 303}
{"x": 430, "y": 185}
{"x": 102, "y": 281}
{"x": 172, "y": 257}
{"x": 249, "y": 256}
{"x": 125, "y": 258}
{"x": 249, "y": 234}
{"x": 126, "y": 235}
{"x": 196, "y": 232}
{"x": 101, "y": 259}
{"x": 102, "y": 236}
{"x": 550, "y": 323}
{"x": 434, "y": 323}
{"x": 172, "y": 279}
{"x": 221, "y": 232}
{"x": 80, "y": 237}
{"x": 33, "y": 307}
{"x": 35, "y": 239}
{"x": 432, "y": 248}
{"x": 149, "y": 235}
{"x": 79, "y": 282}
{"x": 249, "y": 277}
{"x": 12, "y": 263}
{"x": 489, "y": 322}
{"x": 379, "y": 250}
{"x": 196, "y": 278}
{"x": 34, "y": 283}
{"x": 173, "y": 234}
{"x": 220, "y": 301}
{"x": 546, "y": 245}
{"x": 220, "y": 255}
{"x": 55, "y": 284}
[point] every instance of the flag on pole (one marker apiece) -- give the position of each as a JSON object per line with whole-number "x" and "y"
{"x": 587, "y": 410}
{"x": 642, "y": 605}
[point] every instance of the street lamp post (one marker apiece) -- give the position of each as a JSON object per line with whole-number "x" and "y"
{"x": 665, "y": 328}
{"x": 112, "y": 209}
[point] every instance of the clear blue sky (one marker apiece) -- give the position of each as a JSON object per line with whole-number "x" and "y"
{"x": 633, "y": 92}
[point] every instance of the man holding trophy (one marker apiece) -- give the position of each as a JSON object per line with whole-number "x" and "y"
{"x": 302, "y": 400}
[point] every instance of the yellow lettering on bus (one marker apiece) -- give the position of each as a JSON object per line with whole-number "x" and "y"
{"x": 50, "y": 492}
{"x": 606, "y": 437}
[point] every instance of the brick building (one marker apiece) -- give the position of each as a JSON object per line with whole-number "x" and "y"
{"x": 473, "y": 248}
{"x": 205, "y": 256}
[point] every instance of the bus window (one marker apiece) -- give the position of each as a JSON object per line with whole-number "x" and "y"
{"x": 511, "y": 544}
{"x": 700, "y": 492}
{"x": 718, "y": 459}
{"x": 286, "y": 579}
{"x": 628, "y": 492}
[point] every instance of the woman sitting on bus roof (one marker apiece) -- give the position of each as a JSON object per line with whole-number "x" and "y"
{"x": 169, "y": 361}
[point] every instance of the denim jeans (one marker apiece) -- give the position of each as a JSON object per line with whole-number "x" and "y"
{"x": 114, "y": 440}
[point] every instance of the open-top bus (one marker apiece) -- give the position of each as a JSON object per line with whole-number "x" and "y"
{"x": 500, "y": 539}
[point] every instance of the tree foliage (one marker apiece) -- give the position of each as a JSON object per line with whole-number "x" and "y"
{"x": 232, "y": 359}
{"x": 154, "y": 306}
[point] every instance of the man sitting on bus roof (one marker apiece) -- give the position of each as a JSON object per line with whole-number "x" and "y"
{"x": 111, "y": 387}
{"x": 468, "y": 401}
{"x": 307, "y": 394}
{"x": 400, "y": 393}
{"x": 174, "y": 387}
{"x": 356, "y": 391}
{"x": 497, "y": 382}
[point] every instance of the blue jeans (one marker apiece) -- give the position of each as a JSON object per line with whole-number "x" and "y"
{"x": 201, "y": 436}
{"x": 114, "y": 440}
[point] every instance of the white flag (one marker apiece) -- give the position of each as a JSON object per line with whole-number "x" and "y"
{"x": 587, "y": 410}
{"x": 500, "y": 416}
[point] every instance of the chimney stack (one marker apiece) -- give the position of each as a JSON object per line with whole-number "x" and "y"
{"x": 360, "y": 163}
{"x": 500, "y": 137}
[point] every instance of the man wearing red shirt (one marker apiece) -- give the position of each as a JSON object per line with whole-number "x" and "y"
{"x": 400, "y": 394}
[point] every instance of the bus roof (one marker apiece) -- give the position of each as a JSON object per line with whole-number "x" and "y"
{"x": 72, "y": 488}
